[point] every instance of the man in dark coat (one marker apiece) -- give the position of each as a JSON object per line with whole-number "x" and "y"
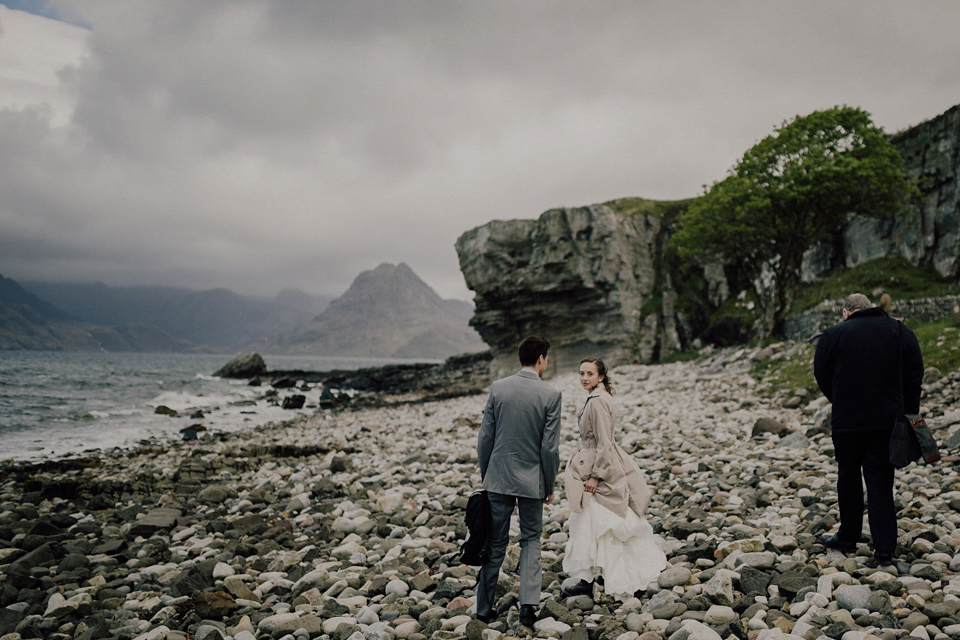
{"x": 870, "y": 367}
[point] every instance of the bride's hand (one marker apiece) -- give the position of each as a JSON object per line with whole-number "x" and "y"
{"x": 590, "y": 485}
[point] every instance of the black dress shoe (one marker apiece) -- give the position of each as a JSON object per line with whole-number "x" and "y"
{"x": 528, "y": 615}
{"x": 582, "y": 588}
{"x": 485, "y": 619}
{"x": 883, "y": 557}
{"x": 833, "y": 541}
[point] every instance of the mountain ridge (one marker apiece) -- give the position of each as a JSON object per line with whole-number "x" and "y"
{"x": 217, "y": 317}
{"x": 388, "y": 312}
{"x": 29, "y": 323}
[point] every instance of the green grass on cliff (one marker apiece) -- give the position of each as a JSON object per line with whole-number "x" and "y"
{"x": 890, "y": 274}
{"x": 642, "y": 206}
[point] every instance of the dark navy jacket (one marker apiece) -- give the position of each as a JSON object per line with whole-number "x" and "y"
{"x": 858, "y": 369}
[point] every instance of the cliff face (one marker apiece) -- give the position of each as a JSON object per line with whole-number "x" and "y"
{"x": 931, "y": 235}
{"x": 931, "y": 154}
{"x": 597, "y": 280}
{"x": 589, "y": 279}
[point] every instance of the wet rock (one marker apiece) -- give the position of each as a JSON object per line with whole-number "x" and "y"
{"x": 295, "y": 401}
{"x": 243, "y": 365}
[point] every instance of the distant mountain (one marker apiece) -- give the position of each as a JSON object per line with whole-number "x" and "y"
{"x": 218, "y": 317}
{"x": 302, "y": 301}
{"x": 386, "y": 312}
{"x": 29, "y": 323}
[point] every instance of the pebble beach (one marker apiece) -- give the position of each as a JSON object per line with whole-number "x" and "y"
{"x": 345, "y": 525}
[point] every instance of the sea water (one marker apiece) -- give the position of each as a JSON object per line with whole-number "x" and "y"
{"x": 56, "y": 404}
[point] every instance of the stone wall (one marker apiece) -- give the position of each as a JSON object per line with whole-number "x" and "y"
{"x": 803, "y": 325}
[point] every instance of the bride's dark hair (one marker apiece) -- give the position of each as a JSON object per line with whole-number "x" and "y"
{"x": 601, "y": 371}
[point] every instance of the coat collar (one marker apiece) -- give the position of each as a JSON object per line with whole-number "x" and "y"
{"x": 527, "y": 373}
{"x": 598, "y": 391}
{"x": 872, "y": 312}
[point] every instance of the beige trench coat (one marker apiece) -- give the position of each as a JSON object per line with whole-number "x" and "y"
{"x": 621, "y": 482}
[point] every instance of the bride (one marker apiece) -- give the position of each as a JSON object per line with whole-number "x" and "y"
{"x": 609, "y": 536}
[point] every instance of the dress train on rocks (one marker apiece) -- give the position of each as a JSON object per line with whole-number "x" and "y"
{"x": 625, "y": 551}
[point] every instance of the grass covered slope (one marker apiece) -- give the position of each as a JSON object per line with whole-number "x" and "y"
{"x": 890, "y": 274}
{"x": 787, "y": 367}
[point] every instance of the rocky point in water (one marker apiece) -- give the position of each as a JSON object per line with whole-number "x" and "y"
{"x": 346, "y": 525}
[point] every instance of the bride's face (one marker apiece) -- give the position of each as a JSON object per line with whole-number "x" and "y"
{"x": 589, "y": 377}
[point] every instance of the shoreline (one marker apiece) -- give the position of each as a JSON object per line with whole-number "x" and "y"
{"x": 338, "y": 523}
{"x": 334, "y": 390}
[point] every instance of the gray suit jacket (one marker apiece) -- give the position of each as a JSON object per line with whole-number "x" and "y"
{"x": 517, "y": 446}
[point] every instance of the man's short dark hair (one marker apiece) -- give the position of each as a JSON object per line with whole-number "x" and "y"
{"x": 531, "y": 349}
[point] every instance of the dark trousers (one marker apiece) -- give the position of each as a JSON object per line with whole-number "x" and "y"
{"x": 866, "y": 453}
{"x": 531, "y": 528}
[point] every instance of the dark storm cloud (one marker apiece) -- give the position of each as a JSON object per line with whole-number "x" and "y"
{"x": 262, "y": 145}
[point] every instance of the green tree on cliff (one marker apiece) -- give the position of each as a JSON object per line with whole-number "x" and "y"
{"x": 795, "y": 187}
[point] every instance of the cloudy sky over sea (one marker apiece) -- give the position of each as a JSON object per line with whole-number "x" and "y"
{"x": 265, "y": 144}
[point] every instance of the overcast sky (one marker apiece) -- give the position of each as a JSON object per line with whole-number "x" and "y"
{"x": 264, "y": 145}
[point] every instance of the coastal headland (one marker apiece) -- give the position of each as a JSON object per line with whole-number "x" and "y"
{"x": 345, "y": 524}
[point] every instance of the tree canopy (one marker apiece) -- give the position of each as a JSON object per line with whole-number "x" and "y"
{"x": 792, "y": 189}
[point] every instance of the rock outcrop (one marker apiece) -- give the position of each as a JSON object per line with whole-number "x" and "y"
{"x": 931, "y": 235}
{"x": 243, "y": 365}
{"x": 590, "y": 279}
{"x": 598, "y": 279}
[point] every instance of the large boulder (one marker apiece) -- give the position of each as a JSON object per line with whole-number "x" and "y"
{"x": 591, "y": 279}
{"x": 244, "y": 365}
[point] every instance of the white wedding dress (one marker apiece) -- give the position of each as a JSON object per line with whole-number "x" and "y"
{"x": 625, "y": 551}
{"x": 621, "y": 548}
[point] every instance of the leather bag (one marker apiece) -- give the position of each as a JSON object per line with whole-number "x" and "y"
{"x": 911, "y": 438}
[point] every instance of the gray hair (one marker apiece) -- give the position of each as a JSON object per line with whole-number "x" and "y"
{"x": 857, "y": 302}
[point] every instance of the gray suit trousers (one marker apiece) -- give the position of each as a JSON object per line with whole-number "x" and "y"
{"x": 531, "y": 528}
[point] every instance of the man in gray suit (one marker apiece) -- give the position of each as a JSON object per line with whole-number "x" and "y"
{"x": 517, "y": 451}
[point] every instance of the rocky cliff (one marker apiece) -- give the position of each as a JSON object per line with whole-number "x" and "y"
{"x": 931, "y": 234}
{"x": 598, "y": 280}
{"x": 593, "y": 280}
